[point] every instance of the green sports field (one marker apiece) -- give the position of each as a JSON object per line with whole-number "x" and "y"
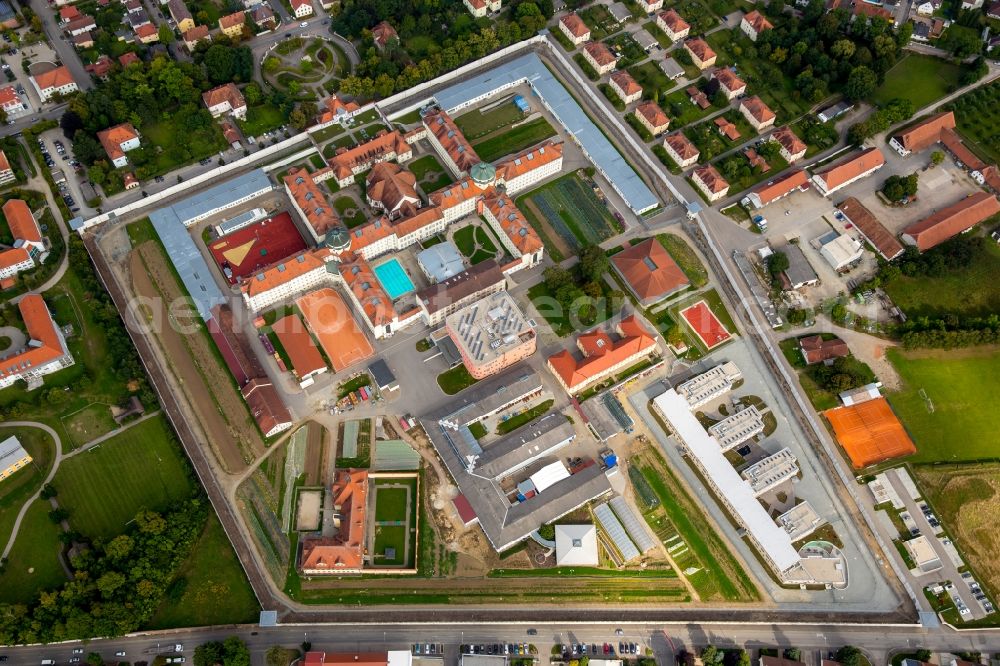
{"x": 394, "y": 524}
{"x": 961, "y": 386}
{"x": 104, "y": 487}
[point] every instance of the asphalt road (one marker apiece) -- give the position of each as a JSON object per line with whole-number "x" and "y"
{"x": 878, "y": 641}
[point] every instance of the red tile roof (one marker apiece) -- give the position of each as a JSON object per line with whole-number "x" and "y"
{"x": 444, "y": 129}
{"x": 54, "y": 78}
{"x": 600, "y": 53}
{"x": 127, "y": 59}
{"x": 334, "y": 107}
{"x": 318, "y": 211}
{"x": 362, "y": 282}
{"x": 727, "y": 127}
{"x": 927, "y": 133}
{"x": 626, "y": 83}
{"x": 776, "y": 189}
{"x": 601, "y": 353}
{"x": 711, "y": 177}
{"x": 761, "y": 112}
{"x": 649, "y": 271}
{"x": 196, "y": 33}
{"x": 575, "y": 25}
{"x": 788, "y": 140}
{"x": 700, "y": 48}
{"x": 21, "y": 222}
{"x": 528, "y": 160}
{"x": 347, "y": 159}
{"x": 44, "y": 344}
{"x": 383, "y": 32}
{"x": 344, "y": 551}
{"x": 674, "y": 21}
{"x": 4, "y": 162}
{"x": 873, "y": 230}
{"x": 232, "y": 20}
{"x": 265, "y": 405}
{"x": 682, "y": 145}
{"x": 951, "y": 141}
{"x": 112, "y": 138}
{"x": 390, "y": 184}
{"x": 514, "y": 224}
{"x": 653, "y": 114}
{"x": 953, "y": 220}
{"x": 758, "y": 22}
{"x": 851, "y": 167}
{"x": 815, "y": 349}
{"x": 227, "y": 92}
{"x": 12, "y": 257}
{"x": 299, "y": 344}
{"x": 728, "y": 80}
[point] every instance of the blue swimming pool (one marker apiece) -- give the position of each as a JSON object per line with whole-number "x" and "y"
{"x": 394, "y": 279}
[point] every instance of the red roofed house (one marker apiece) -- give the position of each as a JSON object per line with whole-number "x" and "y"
{"x": 23, "y": 227}
{"x": 130, "y": 181}
{"x": 753, "y": 24}
{"x": 7, "y": 174}
{"x": 923, "y": 135}
{"x": 195, "y": 35}
{"x": 310, "y": 203}
{"x": 266, "y": 406}
{"x": 147, "y": 33}
{"x": 817, "y": 350}
{"x": 10, "y": 101}
{"x": 701, "y": 53}
{"x": 681, "y": 150}
{"x": 100, "y": 67}
{"x": 117, "y": 141}
{"x": 67, "y": 14}
{"x": 757, "y": 162}
{"x": 383, "y": 33}
{"x": 757, "y": 113}
{"x": 391, "y": 189}
{"x": 727, "y": 128}
{"x": 574, "y": 28}
{"x": 796, "y": 181}
{"x": 652, "y": 117}
{"x": 650, "y": 6}
{"x": 223, "y": 99}
{"x": 302, "y": 8}
{"x": 854, "y": 167}
{"x": 698, "y": 97}
{"x": 46, "y": 351}
{"x": 84, "y": 40}
{"x": 334, "y": 110}
{"x": 671, "y": 23}
{"x": 730, "y": 84}
{"x": 602, "y": 357}
{"x": 951, "y": 221}
{"x": 449, "y": 143}
{"x": 56, "y": 81}
{"x": 232, "y": 25}
{"x": 127, "y": 59}
{"x": 625, "y": 86}
{"x": 792, "y": 147}
{"x": 264, "y": 17}
{"x": 343, "y": 553}
{"x": 480, "y": 8}
{"x": 386, "y": 147}
{"x": 514, "y": 231}
{"x": 599, "y": 57}
{"x": 81, "y": 24}
{"x": 649, "y": 271}
{"x": 710, "y": 182}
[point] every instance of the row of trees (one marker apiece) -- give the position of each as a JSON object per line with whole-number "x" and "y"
{"x": 117, "y": 585}
{"x": 894, "y": 112}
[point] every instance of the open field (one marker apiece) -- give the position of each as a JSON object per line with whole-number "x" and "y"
{"x": 961, "y": 385}
{"x": 33, "y": 563}
{"x": 142, "y": 467}
{"x": 966, "y": 499}
{"x": 571, "y": 207}
{"x": 478, "y": 123}
{"x": 89, "y": 423}
{"x": 454, "y": 380}
{"x": 515, "y": 139}
{"x": 970, "y": 291}
{"x": 922, "y": 79}
{"x": 210, "y": 589}
{"x": 978, "y": 115}
{"x": 197, "y": 145}
{"x": 260, "y": 119}
{"x": 17, "y": 488}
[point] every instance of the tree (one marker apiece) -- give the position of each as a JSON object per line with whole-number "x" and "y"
{"x": 58, "y": 515}
{"x": 850, "y": 656}
{"x": 777, "y": 264}
{"x": 860, "y": 84}
{"x": 95, "y": 659}
{"x": 896, "y": 188}
{"x": 166, "y": 35}
{"x": 937, "y": 157}
{"x": 793, "y": 653}
{"x": 593, "y": 263}
{"x": 48, "y": 491}
{"x": 252, "y": 94}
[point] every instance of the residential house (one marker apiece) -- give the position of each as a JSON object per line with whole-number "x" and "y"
{"x": 574, "y": 28}
{"x": 263, "y": 17}
{"x": 11, "y": 102}
{"x": 7, "y": 175}
{"x": 127, "y": 59}
{"x": 195, "y": 35}
{"x": 101, "y": 67}
{"x": 727, "y": 128}
{"x": 848, "y": 170}
{"x": 681, "y": 150}
{"x": 68, "y": 14}
{"x": 480, "y": 8}
{"x": 384, "y": 35}
{"x": 753, "y": 24}
{"x": 226, "y": 98}
{"x": 302, "y": 8}
{"x": 698, "y": 97}
{"x": 650, "y": 6}
{"x": 815, "y": 349}
{"x": 651, "y": 116}
{"x": 792, "y": 147}
{"x": 84, "y": 40}
{"x": 56, "y": 81}
{"x": 232, "y": 25}
{"x": 599, "y": 57}
{"x": 625, "y": 86}
{"x": 757, "y": 163}
{"x": 671, "y": 23}
{"x": 730, "y": 84}
{"x": 117, "y": 141}
{"x": 147, "y": 33}
{"x": 710, "y": 182}
{"x": 333, "y": 109}
{"x": 757, "y": 113}
{"x": 180, "y": 14}
{"x": 701, "y": 53}
{"x": 79, "y": 25}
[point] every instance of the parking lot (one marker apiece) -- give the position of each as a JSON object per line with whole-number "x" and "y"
{"x": 13, "y": 58}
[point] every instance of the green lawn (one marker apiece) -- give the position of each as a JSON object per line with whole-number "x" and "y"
{"x": 971, "y": 291}
{"x": 142, "y": 467}
{"x": 681, "y": 111}
{"x": 960, "y": 385}
{"x": 978, "y": 113}
{"x": 479, "y": 123}
{"x": 196, "y": 145}
{"x": 922, "y": 79}
{"x": 261, "y": 119}
{"x": 210, "y": 589}
{"x": 390, "y": 537}
{"x": 343, "y": 205}
{"x": 528, "y": 416}
{"x": 18, "y": 487}
{"x": 686, "y": 258}
{"x": 514, "y": 140}
{"x": 475, "y": 244}
{"x": 454, "y": 380}
{"x": 33, "y": 563}
{"x": 328, "y": 133}
{"x": 431, "y": 175}
{"x": 653, "y": 81}
{"x": 390, "y": 504}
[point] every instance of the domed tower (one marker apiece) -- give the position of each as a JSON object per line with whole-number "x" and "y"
{"x": 337, "y": 239}
{"x": 483, "y": 174}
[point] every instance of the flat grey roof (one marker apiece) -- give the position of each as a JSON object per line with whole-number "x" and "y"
{"x": 215, "y": 198}
{"x": 603, "y": 423}
{"x": 800, "y": 271}
{"x": 620, "y": 12}
{"x": 561, "y": 104}
{"x": 441, "y": 261}
{"x": 382, "y": 374}
{"x": 527, "y": 443}
{"x": 487, "y": 396}
{"x": 670, "y": 67}
{"x": 190, "y": 264}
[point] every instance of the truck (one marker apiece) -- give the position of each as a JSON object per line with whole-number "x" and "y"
{"x": 760, "y": 222}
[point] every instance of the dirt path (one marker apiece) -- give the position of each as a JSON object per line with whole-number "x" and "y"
{"x": 179, "y": 356}
{"x": 867, "y": 348}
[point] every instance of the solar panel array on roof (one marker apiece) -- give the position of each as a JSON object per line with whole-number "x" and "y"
{"x": 349, "y": 447}
{"x": 394, "y": 455}
{"x": 611, "y": 524}
{"x": 602, "y": 152}
{"x": 635, "y": 527}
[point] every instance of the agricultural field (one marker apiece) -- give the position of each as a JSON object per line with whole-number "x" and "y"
{"x": 946, "y": 402}
{"x": 966, "y": 499}
{"x": 570, "y": 206}
{"x": 978, "y": 115}
{"x": 970, "y": 291}
{"x": 475, "y": 243}
{"x": 922, "y": 79}
{"x": 507, "y": 142}
{"x": 210, "y": 589}
{"x": 142, "y": 467}
{"x": 479, "y": 122}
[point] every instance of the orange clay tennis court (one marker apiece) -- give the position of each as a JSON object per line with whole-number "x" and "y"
{"x": 705, "y": 324}
{"x": 331, "y": 321}
{"x": 870, "y": 432}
